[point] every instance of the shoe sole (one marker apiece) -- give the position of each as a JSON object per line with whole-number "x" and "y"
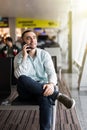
{"x": 73, "y": 104}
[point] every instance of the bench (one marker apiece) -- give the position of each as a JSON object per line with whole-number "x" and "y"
{"x": 15, "y": 104}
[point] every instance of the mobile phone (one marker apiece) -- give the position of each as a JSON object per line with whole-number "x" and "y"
{"x": 27, "y": 47}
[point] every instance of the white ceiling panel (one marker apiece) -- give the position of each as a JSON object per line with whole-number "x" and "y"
{"x": 42, "y": 9}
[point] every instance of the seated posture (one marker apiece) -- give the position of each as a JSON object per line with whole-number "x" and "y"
{"x": 36, "y": 79}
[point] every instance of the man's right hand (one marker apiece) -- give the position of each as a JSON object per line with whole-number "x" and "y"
{"x": 25, "y": 54}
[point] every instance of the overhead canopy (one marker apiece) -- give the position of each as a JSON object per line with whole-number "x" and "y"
{"x": 39, "y": 9}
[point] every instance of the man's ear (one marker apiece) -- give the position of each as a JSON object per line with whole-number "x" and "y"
{"x": 22, "y": 40}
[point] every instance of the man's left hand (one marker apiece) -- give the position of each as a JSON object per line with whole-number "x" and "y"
{"x": 49, "y": 89}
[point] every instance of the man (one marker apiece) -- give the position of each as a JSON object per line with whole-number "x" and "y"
{"x": 36, "y": 79}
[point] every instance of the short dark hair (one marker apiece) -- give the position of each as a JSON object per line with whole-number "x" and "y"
{"x": 9, "y": 39}
{"x": 26, "y": 31}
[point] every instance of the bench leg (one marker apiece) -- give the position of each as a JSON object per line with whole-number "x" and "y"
{"x": 54, "y": 115}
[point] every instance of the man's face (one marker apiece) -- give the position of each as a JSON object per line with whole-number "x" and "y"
{"x": 30, "y": 39}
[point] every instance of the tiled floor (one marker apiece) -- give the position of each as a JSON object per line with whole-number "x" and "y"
{"x": 80, "y": 98}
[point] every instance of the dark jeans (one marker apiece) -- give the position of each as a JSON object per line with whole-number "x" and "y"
{"x": 32, "y": 91}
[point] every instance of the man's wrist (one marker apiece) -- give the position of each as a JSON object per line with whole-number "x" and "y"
{"x": 51, "y": 83}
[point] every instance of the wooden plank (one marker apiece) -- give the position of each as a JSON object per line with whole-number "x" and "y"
{"x": 19, "y": 118}
{"x": 68, "y": 116}
{"x": 25, "y": 119}
{"x": 6, "y": 115}
{"x": 7, "y": 127}
{"x": 65, "y": 117}
{"x": 35, "y": 125}
{"x": 30, "y": 121}
{"x": 11, "y": 117}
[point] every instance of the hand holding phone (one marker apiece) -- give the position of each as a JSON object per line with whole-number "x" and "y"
{"x": 27, "y": 47}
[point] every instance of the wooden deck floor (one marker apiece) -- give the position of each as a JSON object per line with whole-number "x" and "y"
{"x": 29, "y": 119}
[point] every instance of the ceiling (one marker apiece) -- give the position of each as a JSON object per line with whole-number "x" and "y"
{"x": 46, "y": 9}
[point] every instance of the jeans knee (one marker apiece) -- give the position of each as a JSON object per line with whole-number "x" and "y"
{"x": 44, "y": 101}
{"x": 22, "y": 77}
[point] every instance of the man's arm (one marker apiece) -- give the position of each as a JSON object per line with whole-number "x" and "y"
{"x": 51, "y": 73}
{"x": 50, "y": 70}
{"x": 20, "y": 67}
{"x": 20, "y": 64}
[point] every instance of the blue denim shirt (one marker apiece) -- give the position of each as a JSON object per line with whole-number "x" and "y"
{"x": 40, "y": 68}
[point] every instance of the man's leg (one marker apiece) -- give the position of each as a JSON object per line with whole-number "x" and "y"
{"x": 45, "y": 113}
{"x": 31, "y": 87}
{"x": 27, "y": 86}
{"x": 34, "y": 87}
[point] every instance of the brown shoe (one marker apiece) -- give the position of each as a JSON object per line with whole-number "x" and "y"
{"x": 66, "y": 101}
